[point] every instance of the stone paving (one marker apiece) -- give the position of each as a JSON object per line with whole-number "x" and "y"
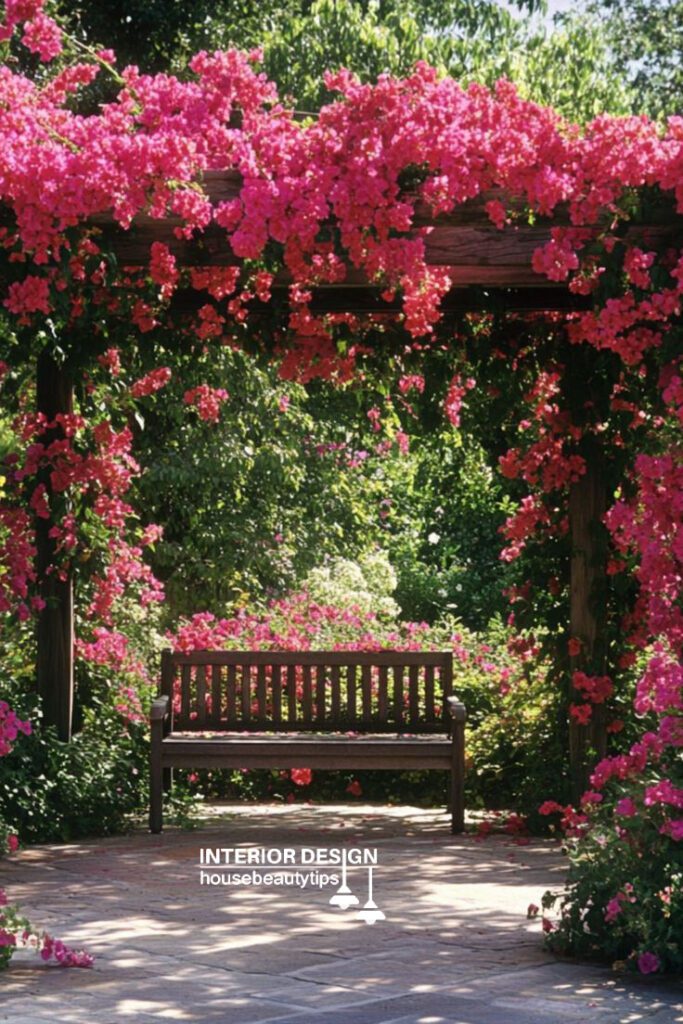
{"x": 455, "y": 947}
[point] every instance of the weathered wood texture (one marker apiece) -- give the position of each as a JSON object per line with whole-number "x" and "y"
{"x": 315, "y": 709}
{"x": 474, "y": 251}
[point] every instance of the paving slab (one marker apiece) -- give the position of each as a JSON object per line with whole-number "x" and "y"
{"x": 454, "y": 947}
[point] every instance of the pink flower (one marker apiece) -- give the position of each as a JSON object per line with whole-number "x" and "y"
{"x": 664, "y": 792}
{"x": 207, "y": 401}
{"x": 496, "y": 212}
{"x": 43, "y": 36}
{"x": 613, "y": 910}
{"x": 550, "y": 807}
{"x": 354, "y": 788}
{"x": 301, "y": 776}
{"x": 673, "y": 828}
{"x": 411, "y": 381}
{"x": 22, "y": 10}
{"x": 581, "y": 713}
{"x": 457, "y": 389}
{"x": 648, "y": 963}
{"x": 626, "y": 807}
{"x": 163, "y": 269}
{"x": 13, "y": 843}
{"x": 111, "y": 360}
{"x": 151, "y": 382}
{"x": 32, "y": 295}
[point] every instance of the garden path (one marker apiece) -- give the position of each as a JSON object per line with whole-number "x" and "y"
{"x": 455, "y": 948}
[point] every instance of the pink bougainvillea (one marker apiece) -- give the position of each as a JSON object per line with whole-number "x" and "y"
{"x": 328, "y": 196}
{"x": 15, "y": 930}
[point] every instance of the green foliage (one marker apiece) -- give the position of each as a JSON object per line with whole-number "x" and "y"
{"x": 251, "y": 504}
{"x": 51, "y": 790}
{"x": 624, "y": 894}
{"x": 645, "y": 39}
{"x": 571, "y": 67}
{"x": 447, "y": 555}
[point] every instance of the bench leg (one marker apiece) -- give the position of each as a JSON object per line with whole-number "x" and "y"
{"x": 168, "y": 779}
{"x": 156, "y": 781}
{"x": 457, "y": 781}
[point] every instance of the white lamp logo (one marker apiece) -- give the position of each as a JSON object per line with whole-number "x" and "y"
{"x": 370, "y": 912}
{"x": 343, "y": 897}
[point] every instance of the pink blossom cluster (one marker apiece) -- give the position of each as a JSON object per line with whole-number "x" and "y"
{"x": 457, "y": 389}
{"x": 151, "y": 147}
{"x": 90, "y": 465}
{"x": 207, "y": 401}
{"x": 151, "y": 382}
{"x": 41, "y": 34}
{"x": 13, "y": 928}
{"x": 17, "y": 556}
{"x": 10, "y": 727}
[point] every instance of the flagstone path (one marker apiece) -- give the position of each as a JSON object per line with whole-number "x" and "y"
{"x": 455, "y": 946}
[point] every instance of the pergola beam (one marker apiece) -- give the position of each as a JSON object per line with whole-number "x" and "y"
{"x": 490, "y": 270}
{"x": 464, "y": 242}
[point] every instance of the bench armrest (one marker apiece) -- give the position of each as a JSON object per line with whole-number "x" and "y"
{"x": 456, "y": 709}
{"x": 160, "y": 709}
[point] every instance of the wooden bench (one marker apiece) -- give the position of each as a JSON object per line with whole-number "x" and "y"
{"x": 312, "y": 709}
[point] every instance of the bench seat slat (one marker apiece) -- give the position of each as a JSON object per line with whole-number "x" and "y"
{"x": 276, "y": 684}
{"x": 366, "y": 676}
{"x": 201, "y": 695}
{"x": 185, "y": 681}
{"x": 291, "y": 695}
{"x": 262, "y": 715}
{"x": 373, "y": 658}
{"x": 307, "y": 701}
{"x": 231, "y": 694}
{"x": 246, "y": 692}
{"x": 216, "y": 709}
{"x": 359, "y": 727}
{"x": 302, "y": 752}
{"x": 336, "y": 694}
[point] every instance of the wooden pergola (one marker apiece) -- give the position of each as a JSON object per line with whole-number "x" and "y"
{"x": 487, "y": 266}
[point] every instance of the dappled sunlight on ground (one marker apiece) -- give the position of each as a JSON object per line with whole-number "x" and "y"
{"x": 455, "y": 947}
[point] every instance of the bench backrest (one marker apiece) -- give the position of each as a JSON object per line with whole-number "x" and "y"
{"x": 280, "y": 691}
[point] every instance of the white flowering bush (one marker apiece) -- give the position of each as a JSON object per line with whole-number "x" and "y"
{"x": 367, "y": 584}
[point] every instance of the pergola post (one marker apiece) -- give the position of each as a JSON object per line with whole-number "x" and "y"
{"x": 587, "y": 609}
{"x": 55, "y": 630}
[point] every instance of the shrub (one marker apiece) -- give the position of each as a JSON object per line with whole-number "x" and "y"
{"x": 15, "y": 929}
{"x": 624, "y": 897}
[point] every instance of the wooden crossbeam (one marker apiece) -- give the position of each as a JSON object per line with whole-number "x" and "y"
{"x": 465, "y": 242}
